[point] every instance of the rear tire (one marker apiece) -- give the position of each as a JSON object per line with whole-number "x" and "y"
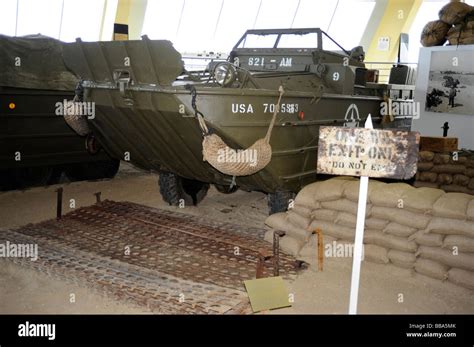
{"x": 175, "y": 189}
{"x": 279, "y": 201}
{"x": 92, "y": 171}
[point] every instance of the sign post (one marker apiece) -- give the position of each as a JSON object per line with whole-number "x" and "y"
{"x": 366, "y": 152}
{"x": 359, "y": 235}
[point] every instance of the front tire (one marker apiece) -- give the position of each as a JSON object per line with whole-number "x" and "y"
{"x": 175, "y": 189}
{"x": 279, "y": 201}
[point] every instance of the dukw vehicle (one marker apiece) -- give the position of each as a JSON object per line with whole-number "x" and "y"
{"x": 37, "y": 146}
{"x": 249, "y": 122}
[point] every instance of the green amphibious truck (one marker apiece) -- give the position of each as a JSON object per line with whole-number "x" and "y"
{"x": 36, "y": 144}
{"x": 270, "y": 96}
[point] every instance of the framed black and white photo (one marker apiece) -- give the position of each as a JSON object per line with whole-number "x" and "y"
{"x": 451, "y": 83}
{"x": 445, "y": 70}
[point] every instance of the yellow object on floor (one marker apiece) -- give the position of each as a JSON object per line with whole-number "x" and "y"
{"x": 267, "y": 293}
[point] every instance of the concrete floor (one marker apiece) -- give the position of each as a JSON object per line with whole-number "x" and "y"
{"x": 383, "y": 289}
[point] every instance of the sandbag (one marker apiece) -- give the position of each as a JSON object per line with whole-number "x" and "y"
{"x": 425, "y": 156}
{"x": 346, "y": 219}
{"x": 424, "y": 166}
{"x": 399, "y": 230}
{"x": 376, "y": 254}
{"x": 402, "y": 259}
{"x": 463, "y": 243}
{"x": 461, "y": 260}
{"x": 389, "y": 195}
{"x": 305, "y": 197}
{"x": 470, "y": 210}
{"x": 462, "y": 278}
{"x": 428, "y": 177}
{"x": 444, "y": 179}
{"x": 454, "y": 188}
{"x": 310, "y": 249}
{"x": 440, "y": 158}
{"x": 471, "y": 184}
{"x": 423, "y": 239}
{"x": 434, "y": 33}
{"x": 291, "y": 245}
{"x": 431, "y": 269}
{"x": 448, "y": 226}
{"x": 297, "y": 220}
{"x": 323, "y": 191}
{"x": 302, "y": 210}
{"x": 390, "y": 241}
{"x": 279, "y": 221}
{"x": 269, "y": 236}
{"x": 454, "y": 12}
{"x": 461, "y": 180}
{"x": 334, "y": 230}
{"x": 452, "y": 205}
{"x": 375, "y": 223}
{"x": 344, "y": 205}
{"x": 324, "y": 215}
{"x": 461, "y": 40}
{"x": 469, "y": 172}
{"x": 449, "y": 169}
{"x": 401, "y": 216}
{"x": 421, "y": 199}
{"x": 351, "y": 188}
{"x": 421, "y": 184}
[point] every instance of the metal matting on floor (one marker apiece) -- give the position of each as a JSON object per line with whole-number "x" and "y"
{"x": 167, "y": 261}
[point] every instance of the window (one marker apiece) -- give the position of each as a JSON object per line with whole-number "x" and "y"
{"x": 259, "y": 41}
{"x": 8, "y": 17}
{"x": 349, "y": 23}
{"x": 309, "y": 40}
{"x": 32, "y": 15}
{"x": 428, "y": 12}
{"x": 83, "y": 19}
{"x": 275, "y": 14}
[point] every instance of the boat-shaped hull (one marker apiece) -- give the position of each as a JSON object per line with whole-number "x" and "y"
{"x": 154, "y": 135}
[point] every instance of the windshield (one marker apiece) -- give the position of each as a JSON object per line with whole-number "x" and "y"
{"x": 258, "y": 41}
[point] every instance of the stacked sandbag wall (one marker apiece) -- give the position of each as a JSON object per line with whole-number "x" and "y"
{"x": 451, "y": 172}
{"x": 426, "y": 230}
{"x": 455, "y": 24}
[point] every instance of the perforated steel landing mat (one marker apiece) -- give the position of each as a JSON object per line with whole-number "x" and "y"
{"x": 167, "y": 261}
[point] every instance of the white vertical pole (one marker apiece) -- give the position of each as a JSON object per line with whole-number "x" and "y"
{"x": 359, "y": 235}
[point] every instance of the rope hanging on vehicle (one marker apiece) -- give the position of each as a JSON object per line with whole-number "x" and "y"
{"x": 240, "y": 162}
{"x": 197, "y": 113}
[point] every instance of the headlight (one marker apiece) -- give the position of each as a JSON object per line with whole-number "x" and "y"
{"x": 225, "y": 74}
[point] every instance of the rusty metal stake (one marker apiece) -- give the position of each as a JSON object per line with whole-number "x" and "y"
{"x": 263, "y": 255}
{"x": 276, "y": 251}
{"x": 59, "y": 203}
{"x": 319, "y": 234}
{"x": 97, "y": 197}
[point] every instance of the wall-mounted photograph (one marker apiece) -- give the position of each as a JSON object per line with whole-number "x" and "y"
{"x": 451, "y": 83}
